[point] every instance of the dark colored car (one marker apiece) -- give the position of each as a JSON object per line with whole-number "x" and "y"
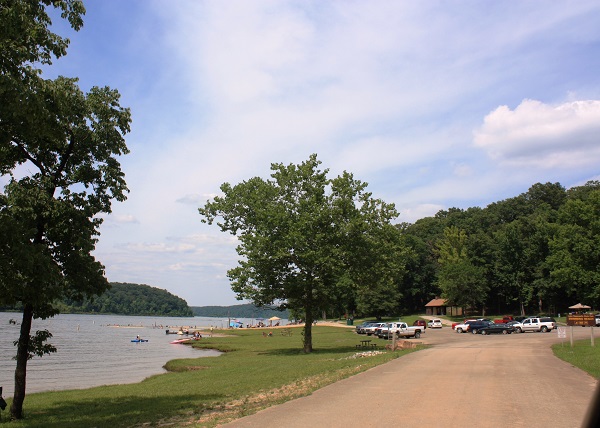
{"x": 497, "y": 329}
{"x": 421, "y": 323}
{"x": 476, "y": 326}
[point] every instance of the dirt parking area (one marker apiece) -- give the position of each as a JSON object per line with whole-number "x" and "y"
{"x": 462, "y": 380}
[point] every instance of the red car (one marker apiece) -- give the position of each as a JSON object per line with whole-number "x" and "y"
{"x": 421, "y": 323}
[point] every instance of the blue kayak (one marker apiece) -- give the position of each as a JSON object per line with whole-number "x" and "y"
{"x": 139, "y": 340}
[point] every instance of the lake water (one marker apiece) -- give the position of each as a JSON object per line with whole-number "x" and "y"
{"x": 94, "y": 350}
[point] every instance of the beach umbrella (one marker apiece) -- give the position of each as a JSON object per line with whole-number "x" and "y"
{"x": 273, "y": 319}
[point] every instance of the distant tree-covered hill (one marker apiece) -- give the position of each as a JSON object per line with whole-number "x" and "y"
{"x": 132, "y": 299}
{"x": 238, "y": 311}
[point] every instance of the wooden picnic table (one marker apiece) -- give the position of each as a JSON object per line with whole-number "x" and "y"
{"x": 366, "y": 343}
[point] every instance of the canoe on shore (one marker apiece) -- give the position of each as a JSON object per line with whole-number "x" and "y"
{"x": 181, "y": 341}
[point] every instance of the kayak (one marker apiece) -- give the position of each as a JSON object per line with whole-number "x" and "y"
{"x": 180, "y": 341}
{"x": 139, "y": 340}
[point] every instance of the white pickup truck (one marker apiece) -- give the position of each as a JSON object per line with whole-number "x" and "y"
{"x": 371, "y": 329}
{"x": 401, "y": 329}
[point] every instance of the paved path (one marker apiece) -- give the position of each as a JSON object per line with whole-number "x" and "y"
{"x": 463, "y": 380}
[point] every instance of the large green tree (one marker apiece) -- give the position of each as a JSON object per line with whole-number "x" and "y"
{"x": 306, "y": 241}
{"x": 59, "y": 151}
{"x": 462, "y": 282}
{"x": 575, "y": 248}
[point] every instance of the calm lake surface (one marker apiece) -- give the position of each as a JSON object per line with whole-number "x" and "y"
{"x": 94, "y": 350}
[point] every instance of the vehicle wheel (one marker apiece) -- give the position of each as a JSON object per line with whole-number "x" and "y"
{"x": 504, "y": 331}
{"x": 483, "y": 333}
{"x": 417, "y": 334}
{"x": 544, "y": 329}
{"x": 518, "y": 330}
{"x": 459, "y": 330}
{"x": 474, "y": 331}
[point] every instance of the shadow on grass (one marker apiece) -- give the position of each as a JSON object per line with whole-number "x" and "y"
{"x": 117, "y": 412}
{"x": 319, "y": 351}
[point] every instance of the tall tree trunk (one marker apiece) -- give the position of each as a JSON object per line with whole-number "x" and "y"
{"x": 308, "y": 335}
{"x": 16, "y": 408}
{"x": 309, "y": 317}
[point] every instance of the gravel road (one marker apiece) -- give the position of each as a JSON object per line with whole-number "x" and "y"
{"x": 463, "y": 380}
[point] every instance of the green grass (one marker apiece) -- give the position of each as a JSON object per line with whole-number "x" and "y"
{"x": 255, "y": 372}
{"x": 582, "y": 355}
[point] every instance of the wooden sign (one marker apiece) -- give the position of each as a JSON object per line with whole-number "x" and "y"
{"x": 585, "y": 320}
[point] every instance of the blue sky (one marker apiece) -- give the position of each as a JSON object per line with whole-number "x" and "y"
{"x": 434, "y": 104}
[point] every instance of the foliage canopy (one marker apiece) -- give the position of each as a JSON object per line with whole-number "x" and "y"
{"x": 59, "y": 150}
{"x": 306, "y": 241}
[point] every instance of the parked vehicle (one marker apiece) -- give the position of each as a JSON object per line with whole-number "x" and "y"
{"x": 420, "y": 323}
{"x": 516, "y": 325}
{"x": 381, "y": 331}
{"x": 497, "y": 329}
{"x": 505, "y": 319}
{"x": 471, "y": 324}
{"x": 401, "y": 329}
{"x": 597, "y": 320}
{"x": 538, "y": 324}
{"x": 461, "y": 327}
{"x": 476, "y": 326}
{"x": 553, "y": 320}
{"x": 370, "y": 330}
{"x": 360, "y": 329}
{"x": 435, "y": 323}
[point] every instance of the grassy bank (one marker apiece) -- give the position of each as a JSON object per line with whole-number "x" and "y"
{"x": 255, "y": 372}
{"x": 582, "y": 355}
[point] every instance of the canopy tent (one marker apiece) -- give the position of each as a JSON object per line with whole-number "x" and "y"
{"x": 235, "y": 324}
{"x": 579, "y": 306}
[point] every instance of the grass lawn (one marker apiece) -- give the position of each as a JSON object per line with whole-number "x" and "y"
{"x": 582, "y": 355}
{"x": 253, "y": 373}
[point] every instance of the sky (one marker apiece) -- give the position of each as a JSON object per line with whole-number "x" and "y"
{"x": 435, "y": 104}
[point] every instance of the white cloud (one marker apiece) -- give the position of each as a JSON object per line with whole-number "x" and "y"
{"x": 196, "y": 199}
{"x": 123, "y": 219}
{"x": 159, "y": 247}
{"x": 416, "y": 212}
{"x": 542, "y": 135}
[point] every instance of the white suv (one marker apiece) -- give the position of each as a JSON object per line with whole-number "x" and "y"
{"x": 537, "y": 324}
{"x": 435, "y": 323}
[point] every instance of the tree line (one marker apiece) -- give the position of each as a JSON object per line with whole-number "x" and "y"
{"x": 124, "y": 299}
{"x": 247, "y": 310}
{"x": 538, "y": 252}
{"x": 131, "y": 299}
